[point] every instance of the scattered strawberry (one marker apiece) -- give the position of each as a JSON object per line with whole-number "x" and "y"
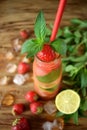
{"x": 17, "y": 109}
{"x": 47, "y": 54}
{"x": 31, "y": 96}
{"x": 20, "y": 124}
{"x": 23, "y": 68}
{"x": 36, "y": 107}
{"x": 24, "y": 34}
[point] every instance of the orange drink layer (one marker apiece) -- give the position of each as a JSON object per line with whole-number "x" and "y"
{"x": 47, "y": 77}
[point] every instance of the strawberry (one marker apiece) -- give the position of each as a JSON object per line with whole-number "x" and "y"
{"x": 47, "y": 54}
{"x": 31, "y": 96}
{"x": 17, "y": 109}
{"x": 36, "y": 107}
{"x": 23, "y": 68}
{"x": 24, "y": 34}
{"x": 20, "y": 124}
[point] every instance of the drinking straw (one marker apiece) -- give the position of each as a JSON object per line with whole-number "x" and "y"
{"x": 58, "y": 19}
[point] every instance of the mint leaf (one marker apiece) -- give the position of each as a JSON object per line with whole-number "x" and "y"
{"x": 59, "y": 46}
{"x": 40, "y": 27}
{"x": 31, "y": 47}
{"x": 59, "y": 114}
{"x": 84, "y": 78}
{"x": 84, "y": 91}
{"x": 76, "y": 21}
{"x": 67, "y": 32}
{"x": 75, "y": 117}
{"x": 83, "y": 105}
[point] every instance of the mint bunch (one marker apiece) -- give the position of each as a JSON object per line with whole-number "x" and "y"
{"x": 32, "y": 46}
{"x": 75, "y": 64}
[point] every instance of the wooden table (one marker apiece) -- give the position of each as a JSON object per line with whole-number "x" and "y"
{"x": 14, "y": 16}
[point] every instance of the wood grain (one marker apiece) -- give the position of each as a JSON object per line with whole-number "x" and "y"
{"x": 14, "y": 16}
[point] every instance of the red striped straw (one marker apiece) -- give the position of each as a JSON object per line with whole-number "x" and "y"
{"x": 57, "y": 21}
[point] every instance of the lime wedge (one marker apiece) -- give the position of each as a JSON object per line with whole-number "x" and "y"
{"x": 67, "y": 101}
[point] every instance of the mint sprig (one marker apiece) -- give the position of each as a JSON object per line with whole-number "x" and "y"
{"x": 42, "y": 36}
{"x": 75, "y": 64}
{"x": 32, "y": 46}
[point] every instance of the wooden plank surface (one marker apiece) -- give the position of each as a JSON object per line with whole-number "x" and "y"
{"x": 14, "y": 16}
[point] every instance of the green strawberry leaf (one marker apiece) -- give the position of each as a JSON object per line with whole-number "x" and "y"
{"x": 31, "y": 47}
{"x": 59, "y": 46}
{"x": 50, "y": 77}
{"x": 40, "y": 27}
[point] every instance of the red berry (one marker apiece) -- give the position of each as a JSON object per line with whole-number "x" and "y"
{"x": 20, "y": 124}
{"x": 36, "y": 107}
{"x": 23, "y": 68}
{"x": 31, "y": 96}
{"x": 24, "y": 34}
{"x": 17, "y": 109}
{"x": 47, "y": 54}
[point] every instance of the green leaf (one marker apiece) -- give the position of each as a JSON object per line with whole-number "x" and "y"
{"x": 59, "y": 46}
{"x": 31, "y": 47}
{"x": 72, "y": 70}
{"x": 68, "y": 40}
{"x": 75, "y": 117}
{"x": 84, "y": 78}
{"x": 67, "y": 117}
{"x": 67, "y": 32}
{"x": 77, "y": 33}
{"x": 40, "y": 27}
{"x": 59, "y": 114}
{"x": 76, "y": 21}
{"x": 50, "y": 77}
{"x": 83, "y": 105}
{"x": 82, "y": 113}
{"x": 84, "y": 91}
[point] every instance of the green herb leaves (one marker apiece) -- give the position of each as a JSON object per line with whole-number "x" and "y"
{"x": 40, "y": 27}
{"x": 59, "y": 46}
{"x": 42, "y": 34}
{"x": 75, "y": 63}
{"x": 32, "y": 46}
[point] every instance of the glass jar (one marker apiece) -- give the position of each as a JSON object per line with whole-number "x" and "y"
{"x": 47, "y": 77}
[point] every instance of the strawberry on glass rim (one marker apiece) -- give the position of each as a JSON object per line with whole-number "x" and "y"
{"x": 47, "y": 54}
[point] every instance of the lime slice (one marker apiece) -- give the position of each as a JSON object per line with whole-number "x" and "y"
{"x": 67, "y": 101}
{"x": 50, "y": 77}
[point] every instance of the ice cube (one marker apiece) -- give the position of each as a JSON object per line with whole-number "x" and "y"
{"x": 55, "y": 125}
{"x": 11, "y": 67}
{"x": 4, "y": 80}
{"x": 17, "y": 45}
{"x": 47, "y": 125}
{"x": 26, "y": 76}
{"x": 50, "y": 107}
{"x": 9, "y": 55}
{"x": 19, "y": 79}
